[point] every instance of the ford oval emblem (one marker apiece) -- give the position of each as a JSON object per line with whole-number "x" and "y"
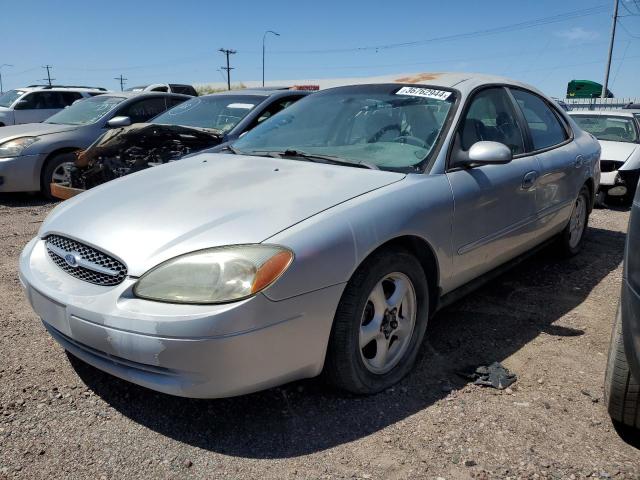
{"x": 71, "y": 260}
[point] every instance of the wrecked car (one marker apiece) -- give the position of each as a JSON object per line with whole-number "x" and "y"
{"x": 195, "y": 125}
{"x": 619, "y": 135}
{"x": 38, "y": 156}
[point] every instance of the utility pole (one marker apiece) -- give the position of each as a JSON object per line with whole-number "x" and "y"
{"x": 3, "y": 65}
{"x": 122, "y": 81}
{"x": 613, "y": 37}
{"x": 263, "y": 37}
{"x": 48, "y": 79}
{"x": 228, "y": 52}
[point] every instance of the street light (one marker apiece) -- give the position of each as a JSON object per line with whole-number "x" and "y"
{"x": 3, "y": 65}
{"x": 263, "y": 37}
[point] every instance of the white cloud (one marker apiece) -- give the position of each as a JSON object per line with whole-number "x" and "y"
{"x": 577, "y": 34}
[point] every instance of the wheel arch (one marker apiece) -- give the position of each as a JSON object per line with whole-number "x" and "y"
{"x": 424, "y": 252}
{"x": 50, "y": 156}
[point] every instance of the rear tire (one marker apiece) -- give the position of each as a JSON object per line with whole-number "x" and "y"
{"x": 621, "y": 390}
{"x": 572, "y": 237}
{"x": 54, "y": 171}
{"x": 389, "y": 355}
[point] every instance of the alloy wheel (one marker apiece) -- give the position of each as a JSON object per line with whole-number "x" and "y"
{"x": 387, "y": 323}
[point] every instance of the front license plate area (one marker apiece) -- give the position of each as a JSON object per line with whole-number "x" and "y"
{"x": 50, "y": 311}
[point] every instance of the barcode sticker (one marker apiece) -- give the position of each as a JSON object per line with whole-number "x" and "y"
{"x": 424, "y": 92}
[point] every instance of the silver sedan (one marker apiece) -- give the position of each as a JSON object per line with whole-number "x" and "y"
{"x": 320, "y": 242}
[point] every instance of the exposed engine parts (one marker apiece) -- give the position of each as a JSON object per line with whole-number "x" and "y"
{"x": 130, "y": 149}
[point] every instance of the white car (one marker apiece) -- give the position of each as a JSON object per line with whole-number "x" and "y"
{"x": 36, "y": 103}
{"x": 619, "y": 135}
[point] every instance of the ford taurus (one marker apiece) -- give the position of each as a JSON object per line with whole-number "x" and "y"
{"x": 319, "y": 242}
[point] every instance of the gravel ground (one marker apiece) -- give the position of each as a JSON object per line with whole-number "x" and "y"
{"x": 548, "y": 320}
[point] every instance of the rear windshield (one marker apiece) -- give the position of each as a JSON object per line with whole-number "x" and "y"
{"x": 87, "y": 111}
{"x": 608, "y": 127}
{"x": 7, "y": 98}
{"x": 218, "y": 112}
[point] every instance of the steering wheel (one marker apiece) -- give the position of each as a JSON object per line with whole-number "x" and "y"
{"x": 411, "y": 140}
{"x": 376, "y": 136}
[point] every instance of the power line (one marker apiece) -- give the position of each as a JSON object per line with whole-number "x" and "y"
{"x": 494, "y": 55}
{"x": 632, "y": 35}
{"x": 122, "y": 81}
{"x": 624, "y": 54}
{"x": 228, "y": 68}
{"x": 477, "y": 33}
{"x": 631, "y": 14}
{"x": 503, "y": 29}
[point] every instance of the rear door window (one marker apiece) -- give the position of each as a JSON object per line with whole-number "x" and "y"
{"x": 544, "y": 125}
{"x": 42, "y": 101}
{"x": 69, "y": 97}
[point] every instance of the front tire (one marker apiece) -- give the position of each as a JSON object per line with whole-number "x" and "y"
{"x": 572, "y": 237}
{"x": 56, "y": 170}
{"x": 379, "y": 324}
{"x": 621, "y": 390}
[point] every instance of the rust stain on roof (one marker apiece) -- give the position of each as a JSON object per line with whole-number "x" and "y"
{"x": 420, "y": 77}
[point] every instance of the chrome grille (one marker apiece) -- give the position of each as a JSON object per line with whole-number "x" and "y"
{"x": 84, "y": 262}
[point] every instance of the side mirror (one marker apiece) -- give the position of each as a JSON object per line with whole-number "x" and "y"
{"x": 117, "y": 122}
{"x": 488, "y": 153}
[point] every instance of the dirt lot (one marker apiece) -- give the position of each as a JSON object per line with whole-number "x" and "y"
{"x": 547, "y": 320}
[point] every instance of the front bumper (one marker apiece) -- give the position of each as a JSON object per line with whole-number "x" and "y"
{"x": 630, "y": 315}
{"x": 20, "y": 174}
{"x": 202, "y": 351}
{"x": 619, "y": 183}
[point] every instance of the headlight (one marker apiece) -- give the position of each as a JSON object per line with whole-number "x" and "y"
{"x": 215, "y": 275}
{"x": 14, "y": 147}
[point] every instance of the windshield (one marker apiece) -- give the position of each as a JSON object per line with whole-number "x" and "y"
{"x": 220, "y": 112}
{"x": 87, "y": 111}
{"x": 605, "y": 127}
{"x": 388, "y": 126}
{"x": 7, "y": 98}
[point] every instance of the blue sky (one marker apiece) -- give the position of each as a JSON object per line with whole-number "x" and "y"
{"x": 92, "y": 42}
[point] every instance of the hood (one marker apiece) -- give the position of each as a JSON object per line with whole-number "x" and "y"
{"x": 617, "y": 151}
{"x": 32, "y": 130}
{"x": 205, "y": 201}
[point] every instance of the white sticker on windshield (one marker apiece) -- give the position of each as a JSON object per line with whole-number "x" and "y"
{"x": 424, "y": 92}
{"x": 246, "y": 106}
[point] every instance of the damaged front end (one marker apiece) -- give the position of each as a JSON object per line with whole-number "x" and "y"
{"x": 130, "y": 149}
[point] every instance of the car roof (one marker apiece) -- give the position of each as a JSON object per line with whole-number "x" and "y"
{"x": 128, "y": 94}
{"x": 60, "y": 88}
{"x": 260, "y": 93}
{"x": 617, "y": 113}
{"x": 462, "y": 81}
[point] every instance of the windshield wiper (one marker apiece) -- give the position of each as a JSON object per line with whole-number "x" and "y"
{"x": 233, "y": 150}
{"x": 319, "y": 158}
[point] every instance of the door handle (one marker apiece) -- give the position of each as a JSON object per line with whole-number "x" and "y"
{"x": 529, "y": 179}
{"x": 579, "y": 161}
